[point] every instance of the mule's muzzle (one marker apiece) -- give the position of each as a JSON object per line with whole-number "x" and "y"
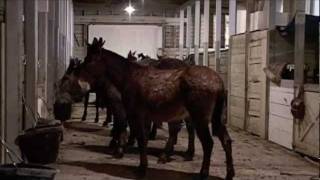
{"x": 62, "y": 111}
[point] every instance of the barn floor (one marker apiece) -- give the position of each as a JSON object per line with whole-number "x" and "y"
{"x": 84, "y": 156}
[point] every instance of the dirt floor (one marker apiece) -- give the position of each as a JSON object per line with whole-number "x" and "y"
{"x": 84, "y": 156}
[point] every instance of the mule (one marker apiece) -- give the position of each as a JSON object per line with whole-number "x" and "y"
{"x": 163, "y": 95}
{"x": 174, "y": 127}
{"x": 69, "y": 91}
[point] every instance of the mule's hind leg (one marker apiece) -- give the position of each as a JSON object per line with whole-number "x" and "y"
{"x": 96, "y": 120}
{"x": 174, "y": 128}
{"x": 225, "y": 139}
{"x": 191, "y": 137}
{"x": 206, "y": 140}
{"x": 86, "y": 100}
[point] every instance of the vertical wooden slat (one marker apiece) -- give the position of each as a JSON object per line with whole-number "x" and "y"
{"x": 189, "y": 27}
{"x": 3, "y": 93}
{"x": 218, "y": 33}
{"x": 206, "y": 20}
{"x": 197, "y": 32}
{"x": 14, "y": 53}
{"x": 31, "y": 46}
{"x": 232, "y": 17}
{"x": 181, "y": 34}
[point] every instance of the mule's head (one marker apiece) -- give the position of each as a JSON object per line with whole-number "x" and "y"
{"x": 67, "y": 88}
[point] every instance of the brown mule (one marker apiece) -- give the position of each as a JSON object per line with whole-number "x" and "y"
{"x": 163, "y": 95}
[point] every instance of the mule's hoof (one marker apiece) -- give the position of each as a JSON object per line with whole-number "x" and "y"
{"x": 188, "y": 157}
{"x": 118, "y": 155}
{"x": 163, "y": 159}
{"x": 152, "y": 136}
{"x": 96, "y": 120}
{"x": 140, "y": 172}
{"x": 83, "y": 119}
{"x": 199, "y": 177}
{"x": 105, "y": 124}
{"x": 113, "y": 144}
{"x": 230, "y": 175}
{"x": 131, "y": 143}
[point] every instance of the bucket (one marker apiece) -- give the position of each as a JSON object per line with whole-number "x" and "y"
{"x": 40, "y": 145}
{"x": 26, "y": 172}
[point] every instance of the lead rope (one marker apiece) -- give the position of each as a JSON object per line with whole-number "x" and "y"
{"x": 35, "y": 116}
{"x": 11, "y": 153}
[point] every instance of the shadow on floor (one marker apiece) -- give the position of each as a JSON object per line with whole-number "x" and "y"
{"x": 88, "y": 128}
{"x": 125, "y": 171}
{"x": 132, "y": 150}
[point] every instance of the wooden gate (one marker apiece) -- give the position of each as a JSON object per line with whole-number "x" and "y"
{"x": 257, "y": 83}
{"x": 237, "y": 80}
{"x": 306, "y": 131}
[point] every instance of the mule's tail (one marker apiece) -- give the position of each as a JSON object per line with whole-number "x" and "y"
{"x": 219, "y": 113}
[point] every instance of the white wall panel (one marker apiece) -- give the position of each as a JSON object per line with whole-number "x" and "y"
{"x": 123, "y": 38}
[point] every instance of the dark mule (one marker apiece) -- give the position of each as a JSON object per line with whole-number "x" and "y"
{"x": 163, "y": 95}
{"x": 69, "y": 91}
{"x": 174, "y": 127}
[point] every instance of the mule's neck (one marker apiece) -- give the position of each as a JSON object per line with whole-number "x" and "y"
{"x": 117, "y": 68}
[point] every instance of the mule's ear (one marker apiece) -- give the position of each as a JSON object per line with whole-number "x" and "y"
{"x": 129, "y": 54}
{"x": 134, "y": 53}
{"x": 159, "y": 57}
{"x": 95, "y": 41}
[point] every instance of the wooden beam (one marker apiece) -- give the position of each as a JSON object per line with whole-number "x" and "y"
{"x": 119, "y": 19}
{"x": 197, "y": 32}
{"x": 43, "y": 58}
{"x": 218, "y": 34}
{"x": 31, "y": 46}
{"x": 299, "y": 43}
{"x": 51, "y": 65}
{"x": 181, "y": 34}
{"x": 206, "y": 19}
{"x": 189, "y": 29}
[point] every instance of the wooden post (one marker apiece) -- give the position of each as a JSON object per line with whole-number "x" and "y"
{"x": 232, "y": 17}
{"x": 189, "y": 29}
{"x": 31, "y": 47}
{"x": 232, "y": 31}
{"x": 43, "y": 52}
{"x": 3, "y": 92}
{"x": 206, "y": 20}
{"x": 52, "y": 61}
{"x": 299, "y": 43}
{"x": 181, "y": 34}
{"x": 13, "y": 86}
{"x": 197, "y": 32}
{"x": 218, "y": 34}
{"x": 249, "y": 5}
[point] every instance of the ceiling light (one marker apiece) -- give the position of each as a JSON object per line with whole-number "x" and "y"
{"x": 129, "y": 9}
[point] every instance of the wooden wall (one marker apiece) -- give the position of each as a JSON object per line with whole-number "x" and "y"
{"x": 236, "y": 99}
{"x": 257, "y": 83}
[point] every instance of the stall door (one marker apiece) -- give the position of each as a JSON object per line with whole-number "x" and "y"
{"x": 306, "y": 131}
{"x": 257, "y": 83}
{"x": 236, "y": 99}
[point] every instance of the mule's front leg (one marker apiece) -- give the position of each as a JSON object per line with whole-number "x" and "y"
{"x": 86, "y": 100}
{"x": 142, "y": 145}
{"x": 97, "y": 108}
{"x": 174, "y": 129}
{"x": 191, "y": 137}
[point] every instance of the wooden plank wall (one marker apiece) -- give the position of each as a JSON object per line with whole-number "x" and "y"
{"x": 236, "y": 99}
{"x": 80, "y": 40}
{"x": 257, "y": 83}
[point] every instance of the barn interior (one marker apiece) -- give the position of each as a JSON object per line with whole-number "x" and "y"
{"x": 266, "y": 53}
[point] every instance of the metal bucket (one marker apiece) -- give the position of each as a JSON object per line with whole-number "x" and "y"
{"x": 41, "y": 144}
{"x": 26, "y": 172}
